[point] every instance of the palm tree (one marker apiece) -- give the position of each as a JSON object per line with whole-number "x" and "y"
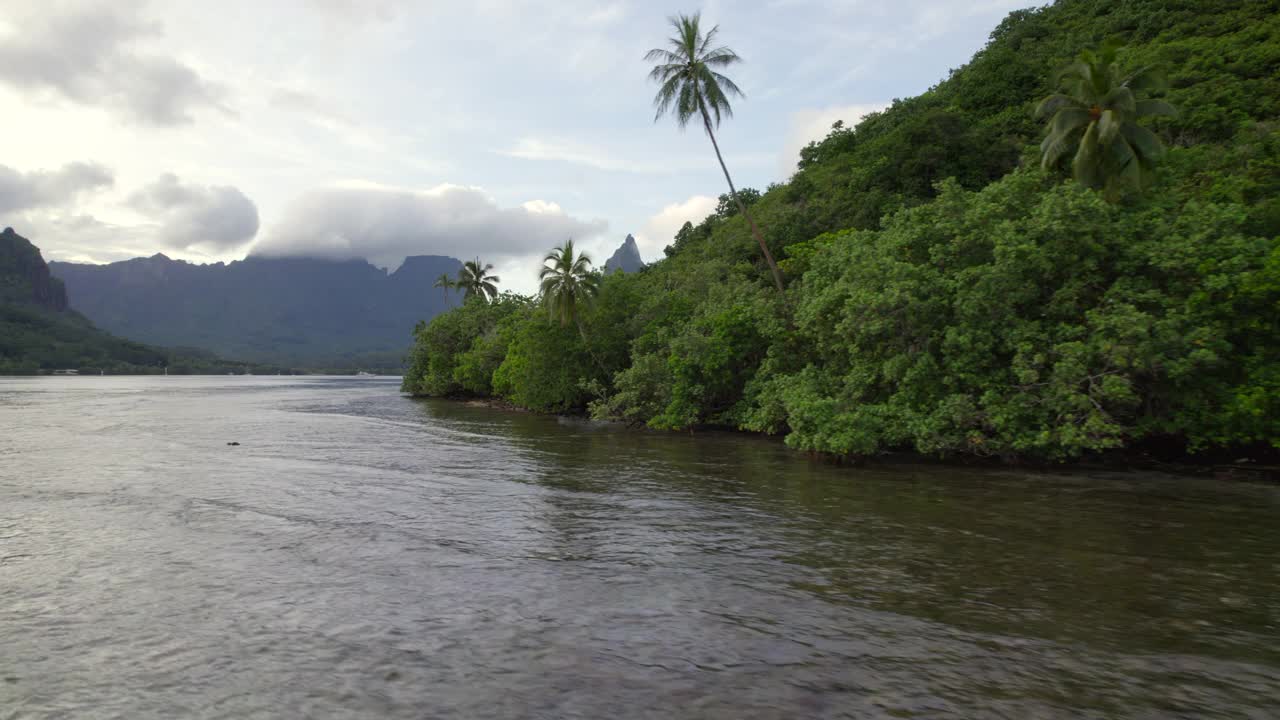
{"x": 475, "y": 281}
{"x": 568, "y": 283}
{"x": 1095, "y": 122}
{"x": 690, "y": 85}
{"x": 445, "y": 283}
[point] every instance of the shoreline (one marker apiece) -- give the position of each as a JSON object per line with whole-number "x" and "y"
{"x": 1122, "y": 460}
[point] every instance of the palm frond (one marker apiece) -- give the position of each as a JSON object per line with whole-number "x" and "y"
{"x": 721, "y": 57}
{"x": 1121, "y": 99}
{"x": 1108, "y": 127}
{"x": 726, "y": 86}
{"x": 1085, "y": 166}
{"x": 665, "y": 56}
{"x": 1056, "y": 102}
{"x": 1148, "y": 79}
{"x": 1067, "y": 120}
{"x": 1145, "y": 142}
{"x": 1154, "y": 108}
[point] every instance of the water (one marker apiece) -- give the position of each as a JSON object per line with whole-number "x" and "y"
{"x": 361, "y": 554}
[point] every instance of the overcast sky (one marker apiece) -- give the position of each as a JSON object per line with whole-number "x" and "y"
{"x": 385, "y": 128}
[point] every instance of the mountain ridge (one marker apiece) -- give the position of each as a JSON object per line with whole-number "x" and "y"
{"x": 41, "y": 332}
{"x": 290, "y": 310}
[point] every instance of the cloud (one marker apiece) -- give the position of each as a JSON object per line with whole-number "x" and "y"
{"x": 660, "y": 229}
{"x": 83, "y": 53}
{"x": 360, "y": 11}
{"x": 50, "y": 188}
{"x": 213, "y": 217}
{"x": 386, "y": 224}
{"x": 630, "y": 159}
{"x": 79, "y": 237}
{"x": 574, "y": 153}
{"x": 807, "y": 126}
{"x": 326, "y": 115}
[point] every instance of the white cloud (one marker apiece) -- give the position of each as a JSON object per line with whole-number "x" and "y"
{"x": 78, "y": 237}
{"x": 325, "y": 115}
{"x": 386, "y": 224}
{"x": 84, "y": 53}
{"x": 197, "y": 216}
{"x": 806, "y": 126}
{"x": 660, "y": 229}
{"x": 50, "y": 188}
{"x": 575, "y": 153}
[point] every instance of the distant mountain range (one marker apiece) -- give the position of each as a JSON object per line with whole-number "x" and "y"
{"x": 39, "y": 331}
{"x": 292, "y": 311}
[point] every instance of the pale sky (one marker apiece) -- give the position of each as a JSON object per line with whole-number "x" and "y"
{"x": 385, "y": 128}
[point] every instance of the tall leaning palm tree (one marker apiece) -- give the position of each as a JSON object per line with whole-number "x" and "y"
{"x": 690, "y": 85}
{"x": 445, "y": 283}
{"x": 1095, "y": 123}
{"x": 475, "y": 281}
{"x": 568, "y": 284}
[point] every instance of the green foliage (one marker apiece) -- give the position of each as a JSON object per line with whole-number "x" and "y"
{"x": 947, "y": 296}
{"x": 475, "y": 281}
{"x": 689, "y": 85}
{"x": 567, "y": 282}
{"x": 687, "y": 73}
{"x": 1096, "y": 124}
{"x": 445, "y": 283}
{"x": 1034, "y": 320}
{"x": 457, "y": 352}
{"x": 546, "y": 367}
{"x": 727, "y": 206}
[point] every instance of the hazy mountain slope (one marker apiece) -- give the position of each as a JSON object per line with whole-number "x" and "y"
{"x": 39, "y": 331}
{"x": 288, "y": 310}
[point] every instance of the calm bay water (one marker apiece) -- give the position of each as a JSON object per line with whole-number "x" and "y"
{"x": 361, "y": 554}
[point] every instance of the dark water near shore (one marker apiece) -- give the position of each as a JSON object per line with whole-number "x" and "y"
{"x": 366, "y": 555}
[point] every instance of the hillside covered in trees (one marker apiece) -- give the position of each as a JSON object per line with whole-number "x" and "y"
{"x": 944, "y": 293}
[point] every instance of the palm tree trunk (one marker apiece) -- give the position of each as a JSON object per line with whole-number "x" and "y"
{"x": 755, "y": 231}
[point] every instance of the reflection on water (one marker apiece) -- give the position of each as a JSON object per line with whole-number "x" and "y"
{"x": 362, "y": 554}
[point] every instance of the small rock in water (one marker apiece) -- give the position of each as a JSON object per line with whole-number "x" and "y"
{"x": 233, "y": 443}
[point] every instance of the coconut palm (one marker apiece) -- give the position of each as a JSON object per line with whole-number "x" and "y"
{"x": 475, "y": 281}
{"x": 1095, "y": 123}
{"x": 445, "y": 283}
{"x": 691, "y": 86}
{"x": 569, "y": 283}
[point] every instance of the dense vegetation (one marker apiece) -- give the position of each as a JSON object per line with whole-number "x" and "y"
{"x": 947, "y": 294}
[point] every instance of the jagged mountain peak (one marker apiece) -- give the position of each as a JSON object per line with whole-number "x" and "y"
{"x": 626, "y": 258}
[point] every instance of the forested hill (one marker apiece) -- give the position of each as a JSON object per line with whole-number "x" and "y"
{"x": 24, "y": 276}
{"x": 39, "y": 332}
{"x": 944, "y": 293}
{"x": 296, "y": 311}
{"x": 1222, "y": 58}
